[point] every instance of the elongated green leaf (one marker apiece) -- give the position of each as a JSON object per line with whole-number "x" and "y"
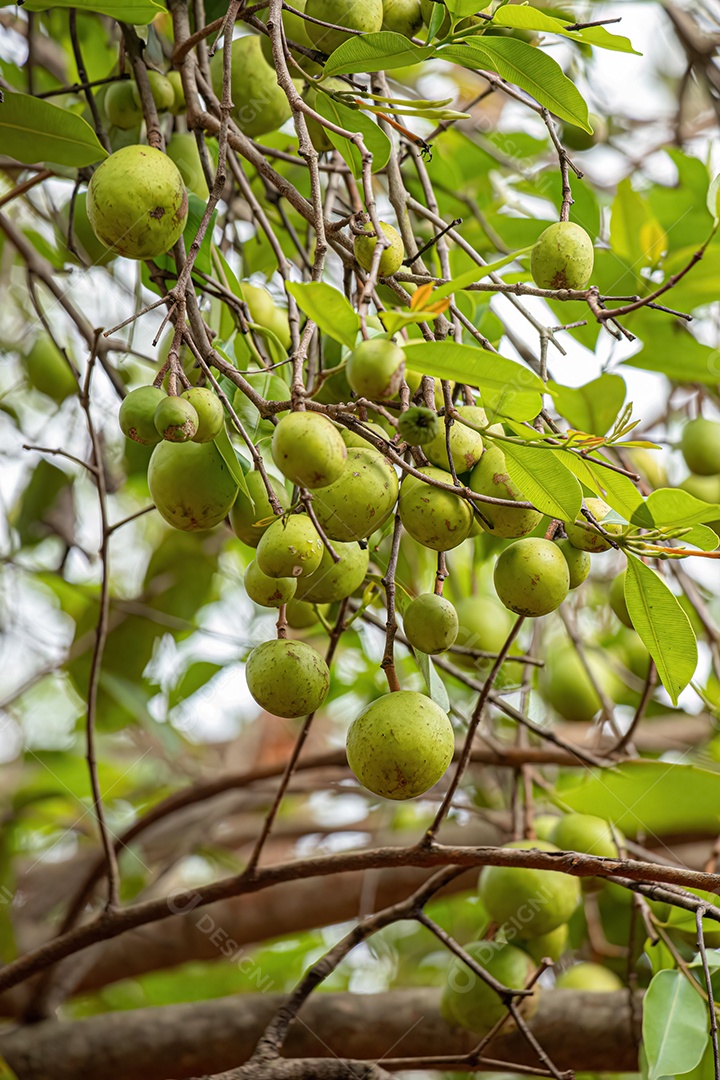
{"x": 192, "y": 680}
{"x": 328, "y": 308}
{"x": 675, "y": 1025}
{"x": 376, "y": 52}
{"x": 543, "y": 480}
{"x": 673, "y": 508}
{"x": 701, "y": 536}
{"x": 617, "y": 490}
{"x": 353, "y": 120}
{"x": 226, "y": 448}
{"x": 476, "y": 274}
{"x": 662, "y": 625}
{"x": 530, "y": 69}
{"x": 138, "y": 12}
{"x": 507, "y": 388}
{"x": 435, "y": 685}
{"x": 522, "y": 17}
{"x": 593, "y": 407}
{"x": 32, "y": 130}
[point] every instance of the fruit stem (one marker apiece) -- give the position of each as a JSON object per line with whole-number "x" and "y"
{"x": 282, "y": 624}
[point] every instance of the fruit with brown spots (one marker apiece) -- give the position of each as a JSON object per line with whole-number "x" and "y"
{"x": 209, "y": 409}
{"x": 582, "y": 534}
{"x": 176, "y": 419}
{"x": 361, "y": 499}
{"x": 335, "y": 580}
{"x": 190, "y": 484}
{"x": 266, "y": 591}
{"x": 466, "y": 444}
{"x": 251, "y": 516}
{"x": 531, "y": 577}
{"x": 562, "y": 257}
{"x": 436, "y": 518}
{"x": 137, "y": 415}
{"x": 287, "y": 678}
{"x": 365, "y": 17}
{"x": 308, "y": 449}
{"x": 430, "y": 623}
{"x": 290, "y": 547}
{"x": 490, "y": 477}
{"x": 375, "y": 369}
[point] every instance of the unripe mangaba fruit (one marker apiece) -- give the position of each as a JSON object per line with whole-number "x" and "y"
{"x": 121, "y": 107}
{"x": 589, "y": 977}
{"x": 191, "y": 484}
{"x": 290, "y": 547}
{"x": 400, "y": 745}
{"x": 484, "y": 624}
{"x": 586, "y": 834}
{"x": 161, "y": 89}
{"x": 617, "y": 600}
{"x": 466, "y": 445}
{"x": 707, "y": 489}
{"x": 551, "y": 945}
{"x": 287, "y": 678}
{"x": 308, "y": 449}
{"x": 295, "y": 30}
{"x": 260, "y": 105}
{"x": 700, "y": 446}
{"x": 402, "y": 17}
{"x": 533, "y": 902}
{"x": 531, "y": 577}
{"x": 361, "y": 499}
{"x": 266, "y": 591}
{"x": 468, "y": 1001}
{"x": 430, "y": 623}
{"x": 366, "y": 17}
{"x": 210, "y": 413}
{"x": 392, "y": 257}
{"x": 251, "y": 517}
{"x": 566, "y": 685}
{"x": 490, "y": 477}
{"x": 437, "y": 519}
{"x": 375, "y": 369}
{"x": 176, "y": 419}
{"x": 48, "y": 370}
{"x": 419, "y": 426}
{"x": 301, "y": 614}
{"x": 178, "y": 104}
{"x": 137, "y": 203}
{"x": 585, "y": 536}
{"x": 353, "y": 439}
{"x": 137, "y": 415}
{"x": 578, "y": 562}
{"x": 562, "y": 257}
{"x": 334, "y": 581}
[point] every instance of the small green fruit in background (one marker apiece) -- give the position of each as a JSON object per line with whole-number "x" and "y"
{"x": 490, "y": 477}
{"x": 587, "y": 834}
{"x": 251, "y": 517}
{"x": 617, "y": 599}
{"x": 375, "y": 369}
{"x": 575, "y": 138}
{"x": 566, "y": 685}
{"x": 468, "y": 1001}
{"x": 533, "y": 902}
{"x": 294, "y": 27}
{"x": 392, "y": 257}
{"x": 563, "y": 257}
{"x": 437, "y": 519}
{"x": 308, "y": 449}
{"x": 400, "y": 745}
{"x": 210, "y": 412}
{"x": 178, "y": 104}
{"x": 301, "y": 614}
{"x": 334, "y": 581}
{"x": 466, "y": 444}
{"x": 266, "y": 591}
{"x": 706, "y": 488}
{"x": 544, "y": 825}
{"x": 402, "y": 17}
{"x": 419, "y": 425}
{"x": 366, "y": 17}
{"x": 484, "y": 624}
{"x": 578, "y": 563}
{"x": 290, "y": 547}
{"x": 430, "y": 623}
{"x": 161, "y": 89}
{"x": 191, "y": 484}
{"x": 592, "y": 977}
{"x": 287, "y": 678}
{"x": 176, "y": 419}
{"x": 700, "y": 446}
{"x": 549, "y": 946}
{"x": 121, "y": 108}
{"x": 48, "y": 370}
{"x": 585, "y": 536}
{"x": 260, "y": 105}
{"x": 361, "y": 499}
{"x": 137, "y": 415}
{"x": 531, "y": 577}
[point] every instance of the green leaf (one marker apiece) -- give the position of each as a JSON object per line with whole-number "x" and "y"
{"x": 193, "y": 679}
{"x": 269, "y": 386}
{"x": 507, "y": 388}
{"x": 617, "y": 490}
{"x": 662, "y": 625}
{"x": 328, "y": 308}
{"x": 635, "y": 234}
{"x": 701, "y": 536}
{"x": 674, "y": 352}
{"x": 675, "y": 1025}
{"x": 32, "y": 130}
{"x": 594, "y": 407}
{"x": 435, "y": 685}
{"x": 529, "y": 68}
{"x": 137, "y": 12}
{"x": 226, "y": 448}
{"x": 376, "y": 52}
{"x": 477, "y": 273}
{"x": 673, "y": 508}
{"x": 543, "y": 480}
{"x": 522, "y": 17}
{"x": 353, "y": 120}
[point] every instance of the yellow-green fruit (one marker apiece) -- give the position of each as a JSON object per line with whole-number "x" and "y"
{"x": 587, "y": 834}
{"x": 287, "y": 678}
{"x": 531, "y": 577}
{"x": 352, "y": 439}
{"x": 301, "y": 614}
{"x": 567, "y": 687}
{"x": 706, "y": 488}
{"x": 468, "y": 1001}
{"x": 533, "y": 902}
{"x": 308, "y": 449}
{"x": 402, "y": 17}
{"x": 178, "y": 104}
{"x": 361, "y": 499}
{"x": 366, "y": 17}
{"x": 182, "y": 149}
{"x": 549, "y": 946}
{"x": 649, "y": 464}
{"x": 419, "y": 426}
{"x": 700, "y": 446}
{"x": 290, "y": 547}
{"x": 251, "y": 517}
{"x": 592, "y": 977}
{"x": 334, "y": 581}
{"x": 161, "y": 89}
{"x": 578, "y": 563}
{"x": 490, "y": 477}
{"x": 466, "y": 445}
{"x": 484, "y": 624}
{"x": 436, "y": 518}
{"x": 585, "y": 536}
{"x": 544, "y": 825}
{"x": 295, "y": 31}
{"x": 190, "y": 484}
{"x": 575, "y": 138}
{"x": 562, "y": 257}
{"x": 264, "y": 312}
{"x": 176, "y": 419}
{"x": 48, "y": 370}
{"x": 84, "y": 238}
{"x": 392, "y": 257}
{"x": 266, "y": 591}
{"x": 617, "y": 600}
{"x": 121, "y": 108}
{"x": 430, "y": 623}
{"x": 137, "y": 415}
{"x": 400, "y": 745}
{"x": 259, "y": 103}
{"x": 210, "y": 413}
{"x": 375, "y": 369}
{"x": 137, "y": 203}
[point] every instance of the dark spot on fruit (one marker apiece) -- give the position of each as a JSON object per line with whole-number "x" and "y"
{"x": 158, "y": 212}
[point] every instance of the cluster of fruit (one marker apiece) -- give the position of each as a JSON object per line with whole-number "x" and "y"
{"x": 148, "y": 415}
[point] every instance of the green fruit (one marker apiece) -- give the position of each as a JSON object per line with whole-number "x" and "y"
{"x": 592, "y": 977}
{"x": 533, "y": 902}
{"x": 490, "y": 477}
{"x": 586, "y": 834}
{"x": 290, "y": 547}
{"x": 531, "y": 577}
{"x": 400, "y": 745}
{"x": 706, "y": 488}
{"x": 176, "y": 420}
{"x": 179, "y": 104}
{"x": 466, "y": 445}
{"x": 210, "y": 412}
{"x": 468, "y": 1001}
{"x": 431, "y": 623}
{"x": 636, "y": 656}
{"x": 334, "y": 581}
{"x": 361, "y": 499}
{"x": 251, "y": 517}
{"x": 301, "y": 614}
{"x": 190, "y": 484}
{"x": 544, "y": 825}
{"x": 551, "y": 945}
{"x": 137, "y": 203}
{"x": 392, "y": 257}
{"x": 437, "y": 519}
{"x": 578, "y": 563}
{"x": 566, "y": 685}
{"x": 700, "y": 446}
{"x": 375, "y": 369}
{"x": 266, "y": 591}
{"x": 419, "y": 425}
{"x": 562, "y": 257}
{"x": 183, "y": 150}
{"x": 353, "y": 440}
{"x": 137, "y": 415}
{"x": 308, "y": 449}
{"x": 287, "y": 678}
{"x": 366, "y": 17}
{"x": 295, "y": 31}
{"x": 575, "y": 138}
{"x": 585, "y": 536}
{"x": 650, "y": 466}
{"x": 121, "y": 108}
{"x": 617, "y": 600}
{"x": 161, "y": 89}
{"x": 484, "y": 624}
{"x": 402, "y": 17}
{"x": 83, "y": 236}
{"x": 48, "y": 371}
{"x": 260, "y": 105}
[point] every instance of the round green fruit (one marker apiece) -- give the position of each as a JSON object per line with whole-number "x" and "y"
{"x": 585, "y": 536}
{"x": 290, "y": 547}
{"x": 176, "y": 420}
{"x": 706, "y": 488}
{"x": 375, "y": 369}
{"x": 334, "y": 581}
{"x": 533, "y": 902}
{"x": 419, "y": 425}
{"x": 531, "y": 577}
{"x": 366, "y": 17}
{"x": 287, "y": 678}
{"x": 308, "y": 449}
{"x": 490, "y": 477}
{"x": 190, "y": 484}
{"x": 178, "y": 104}
{"x": 549, "y": 946}
{"x": 301, "y": 614}
{"x": 354, "y": 440}
{"x": 400, "y": 745}
{"x": 295, "y": 31}
{"x": 567, "y": 687}
{"x": 210, "y": 412}
{"x": 121, "y": 108}
{"x": 182, "y": 149}
{"x": 137, "y": 203}
{"x": 137, "y": 415}
{"x": 544, "y": 825}
{"x": 161, "y": 89}
{"x": 361, "y": 499}
{"x": 484, "y": 624}
{"x": 578, "y": 562}
{"x": 48, "y": 371}
{"x": 431, "y": 623}
{"x": 700, "y": 446}
{"x": 575, "y": 138}
{"x": 468, "y": 1001}
{"x": 562, "y": 257}
{"x": 251, "y": 517}
{"x": 402, "y": 17}
{"x": 266, "y": 591}
{"x": 260, "y": 105}
{"x": 437, "y": 519}
{"x": 466, "y": 445}
{"x": 617, "y": 600}
{"x": 392, "y": 257}
{"x": 592, "y": 977}
{"x": 587, "y": 834}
